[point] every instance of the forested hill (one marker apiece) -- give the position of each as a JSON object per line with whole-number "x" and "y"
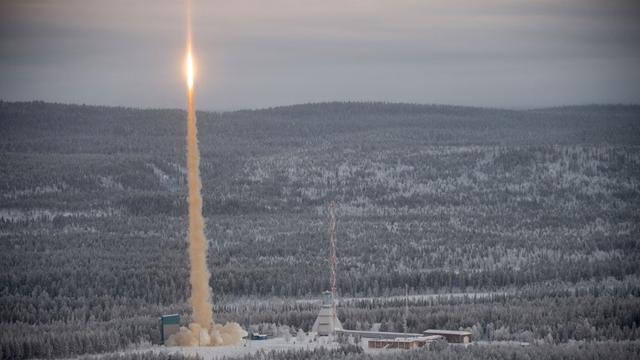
{"x": 438, "y": 198}
{"x": 111, "y": 129}
{"x": 86, "y": 144}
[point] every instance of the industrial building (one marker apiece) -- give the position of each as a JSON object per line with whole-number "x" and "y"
{"x": 169, "y": 325}
{"x": 404, "y": 343}
{"x": 452, "y": 336}
{"x": 376, "y": 334}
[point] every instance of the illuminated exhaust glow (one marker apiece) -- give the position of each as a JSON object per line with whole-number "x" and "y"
{"x": 190, "y": 69}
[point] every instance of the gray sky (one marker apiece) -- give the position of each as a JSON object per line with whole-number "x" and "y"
{"x": 259, "y": 53}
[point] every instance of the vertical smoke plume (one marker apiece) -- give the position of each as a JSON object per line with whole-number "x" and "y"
{"x": 200, "y": 292}
{"x": 203, "y": 331}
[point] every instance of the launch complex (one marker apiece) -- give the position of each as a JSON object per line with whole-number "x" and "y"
{"x": 203, "y": 331}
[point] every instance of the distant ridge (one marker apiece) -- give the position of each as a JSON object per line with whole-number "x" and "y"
{"x": 384, "y": 107}
{"x": 592, "y": 108}
{"x": 364, "y": 106}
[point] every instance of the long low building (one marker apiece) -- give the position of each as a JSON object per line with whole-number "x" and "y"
{"x": 452, "y": 336}
{"x": 377, "y": 334}
{"x": 404, "y": 343}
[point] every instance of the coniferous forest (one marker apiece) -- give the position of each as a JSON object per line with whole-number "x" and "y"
{"x": 519, "y": 226}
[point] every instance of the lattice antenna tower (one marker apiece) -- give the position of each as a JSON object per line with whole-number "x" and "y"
{"x": 405, "y": 326}
{"x": 332, "y": 254}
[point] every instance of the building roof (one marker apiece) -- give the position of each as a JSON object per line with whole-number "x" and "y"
{"x": 421, "y": 338}
{"x": 379, "y": 334}
{"x": 170, "y": 319}
{"x": 447, "y": 332}
{"x": 429, "y": 338}
{"x": 398, "y": 340}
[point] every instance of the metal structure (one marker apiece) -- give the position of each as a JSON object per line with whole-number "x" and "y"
{"x": 332, "y": 254}
{"x": 405, "y": 326}
{"x": 327, "y": 321}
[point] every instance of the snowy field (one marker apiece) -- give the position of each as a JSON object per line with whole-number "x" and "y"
{"x": 252, "y": 347}
{"x": 275, "y": 344}
{"x": 247, "y": 347}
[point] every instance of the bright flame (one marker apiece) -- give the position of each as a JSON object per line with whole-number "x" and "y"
{"x": 189, "y": 69}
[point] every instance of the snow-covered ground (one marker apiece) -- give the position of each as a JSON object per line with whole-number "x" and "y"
{"x": 247, "y": 347}
{"x": 251, "y": 347}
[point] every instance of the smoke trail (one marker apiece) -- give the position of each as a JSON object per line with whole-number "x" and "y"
{"x": 200, "y": 292}
{"x": 203, "y": 331}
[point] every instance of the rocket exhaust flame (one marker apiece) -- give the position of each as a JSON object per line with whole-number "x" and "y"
{"x": 190, "y": 70}
{"x": 203, "y": 331}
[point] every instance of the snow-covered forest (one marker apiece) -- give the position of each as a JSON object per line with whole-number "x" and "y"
{"x": 535, "y": 215}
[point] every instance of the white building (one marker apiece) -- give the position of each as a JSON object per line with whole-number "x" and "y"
{"x": 327, "y": 322}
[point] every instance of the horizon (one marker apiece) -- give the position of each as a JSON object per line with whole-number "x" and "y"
{"x": 585, "y": 105}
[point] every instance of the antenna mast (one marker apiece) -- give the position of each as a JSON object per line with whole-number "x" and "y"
{"x": 332, "y": 254}
{"x": 406, "y": 308}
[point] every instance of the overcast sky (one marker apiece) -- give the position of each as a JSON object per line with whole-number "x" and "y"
{"x": 260, "y": 53}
